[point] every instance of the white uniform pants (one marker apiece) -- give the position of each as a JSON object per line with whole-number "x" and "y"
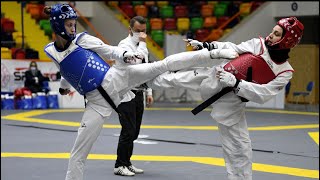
{"x": 88, "y": 132}
{"x": 237, "y": 150}
{"x": 92, "y": 120}
{"x": 235, "y": 139}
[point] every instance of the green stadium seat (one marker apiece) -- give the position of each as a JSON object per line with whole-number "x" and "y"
{"x": 166, "y": 11}
{"x": 196, "y": 23}
{"x": 220, "y": 9}
{"x": 43, "y": 23}
{"x": 134, "y": 3}
{"x": 158, "y": 37}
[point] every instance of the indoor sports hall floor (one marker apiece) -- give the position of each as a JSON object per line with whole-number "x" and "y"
{"x": 173, "y": 145}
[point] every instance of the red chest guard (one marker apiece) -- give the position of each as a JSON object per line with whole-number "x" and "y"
{"x": 261, "y": 71}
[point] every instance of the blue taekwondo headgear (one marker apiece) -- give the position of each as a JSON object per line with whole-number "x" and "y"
{"x": 59, "y": 13}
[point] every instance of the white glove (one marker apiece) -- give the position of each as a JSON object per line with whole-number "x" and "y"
{"x": 196, "y": 45}
{"x": 226, "y": 79}
{"x": 133, "y": 58}
{"x": 223, "y": 53}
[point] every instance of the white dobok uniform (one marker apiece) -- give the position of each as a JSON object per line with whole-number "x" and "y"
{"x": 229, "y": 110}
{"x": 116, "y": 82}
{"x": 129, "y": 45}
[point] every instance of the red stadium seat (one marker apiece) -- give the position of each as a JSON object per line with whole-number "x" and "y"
{"x": 128, "y": 10}
{"x": 7, "y": 25}
{"x": 170, "y": 24}
{"x": 201, "y": 34}
{"x": 181, "y": 11}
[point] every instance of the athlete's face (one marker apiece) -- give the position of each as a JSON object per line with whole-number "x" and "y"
{"x": 275, "y": 35}
{"x": 70, "y": 26}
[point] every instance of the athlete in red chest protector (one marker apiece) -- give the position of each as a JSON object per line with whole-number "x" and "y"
{"x": 259, "y": 73}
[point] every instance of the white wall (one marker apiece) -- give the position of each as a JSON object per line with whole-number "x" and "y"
{"x": 305, "y": 8}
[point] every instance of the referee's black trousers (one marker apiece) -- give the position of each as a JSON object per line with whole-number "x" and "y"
{"x": 130, "y": 120}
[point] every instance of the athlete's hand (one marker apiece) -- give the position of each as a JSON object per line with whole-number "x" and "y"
{"x": 196, "y": 45}
{"x": 226, "y": 79}
{"x": 142, "y": 36}
{"x": 133, "y": 58}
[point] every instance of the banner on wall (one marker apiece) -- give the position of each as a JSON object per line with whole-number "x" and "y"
{"x": 13, "y": 72}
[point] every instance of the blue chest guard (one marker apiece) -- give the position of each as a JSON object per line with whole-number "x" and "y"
{"x": 84, "y": 70}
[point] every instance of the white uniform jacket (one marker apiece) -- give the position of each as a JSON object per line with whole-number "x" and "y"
{"x": 228, "y": 108}
{"x": 129, "y": 45}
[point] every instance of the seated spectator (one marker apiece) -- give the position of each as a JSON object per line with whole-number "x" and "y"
{"x": 34, "y": 79}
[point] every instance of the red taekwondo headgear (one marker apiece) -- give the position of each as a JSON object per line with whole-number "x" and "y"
{"x": 293, "y": 30}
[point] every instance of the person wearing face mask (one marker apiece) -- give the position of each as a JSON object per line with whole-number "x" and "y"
{"x": 34, "y": 79}
{"x": 132, "y": 111}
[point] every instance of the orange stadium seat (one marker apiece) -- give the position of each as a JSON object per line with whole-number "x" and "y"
{"x": 206, "y": 10}
{"x": 156, "y": 23}
{"x": 141, "y": 10}
{"x": 210, "y": 22}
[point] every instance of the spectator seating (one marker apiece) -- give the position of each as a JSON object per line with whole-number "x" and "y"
{"x": 181, "y": 11}
{"x": 128, "y": 9}
{"x": 206, "y": 10}
{"x": 183, "y": 24}
{"x": 162, "y": 3}
{"x": 135, "y": 3}
{"x": 170, "y": 24}
{"x": 141, "y": 10}
{"x": 201, "y": 34}
{"x": 194, "y": 18}
{"x": 245, "y": 9}
{"x": 156, "y": 24}
{"x": 18, "y": 53}
{"x": 7, "y": 40}
{"x": 220, "y": 9}
{"x": 18, "y": 38}
{"x": 158, "y": 37}
{"x": 210, "y": 22}
{"x": 194, "y": 11}
{"x": 7, "y": 25}
{"x": 5, "y": 53}
{"x": 196, "y": 23}
{"x": 149, "y": 3}
{"x": 166, "y": 11}
{"x": 153, "y": 11}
